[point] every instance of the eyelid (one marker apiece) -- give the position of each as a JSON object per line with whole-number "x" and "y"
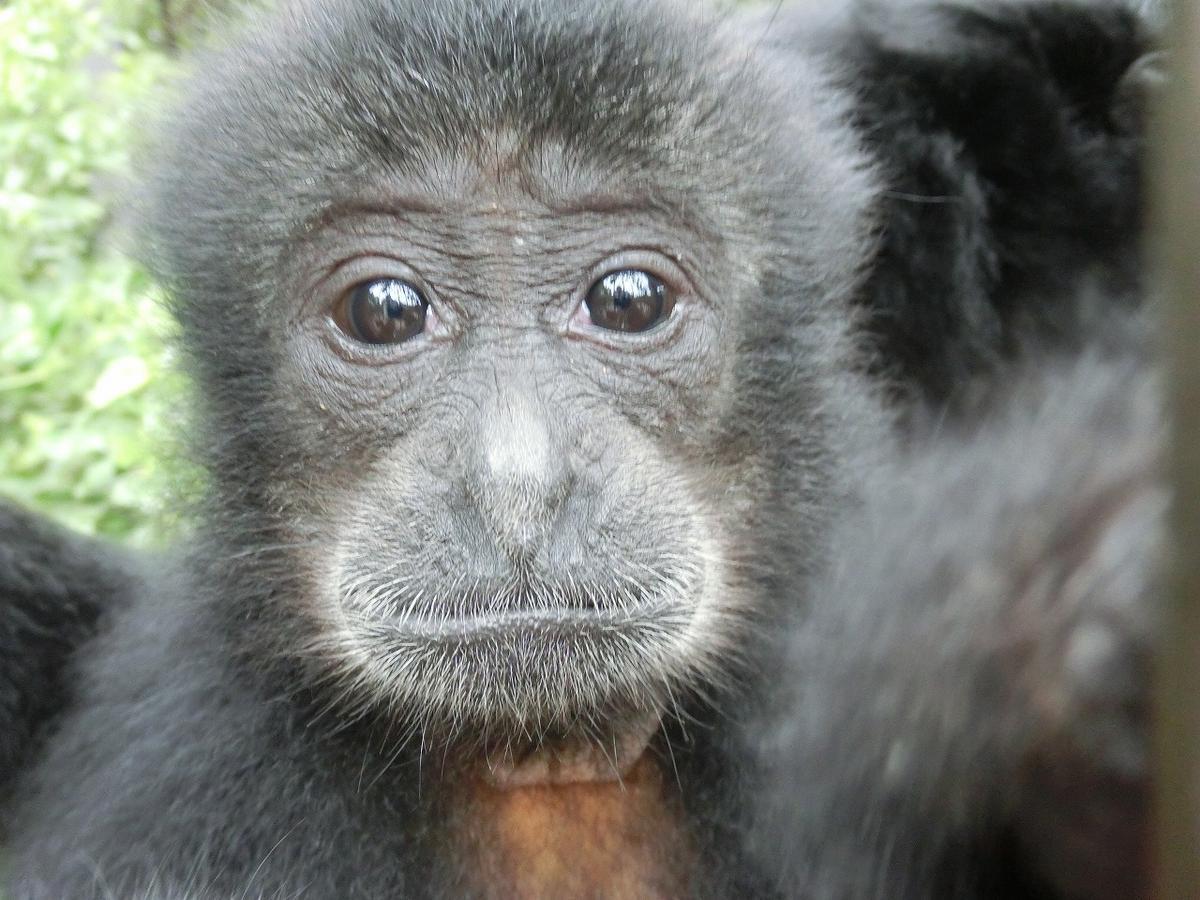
{"x": 655, "y": 262}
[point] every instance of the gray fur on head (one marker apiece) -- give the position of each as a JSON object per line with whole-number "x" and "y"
{"x": 473, "y": 142}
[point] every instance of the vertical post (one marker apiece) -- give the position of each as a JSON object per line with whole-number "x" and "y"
{"x": 1175, "y": 181}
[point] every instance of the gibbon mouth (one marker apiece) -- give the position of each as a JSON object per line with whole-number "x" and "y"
{"x": 537, "y": 671}
{"x": 545, "y": 621}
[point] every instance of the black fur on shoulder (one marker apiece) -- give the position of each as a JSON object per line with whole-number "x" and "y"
{"x": 1010, "y": 137}
{"x": 55, "y": 589}
{"x": 963, "y": 707}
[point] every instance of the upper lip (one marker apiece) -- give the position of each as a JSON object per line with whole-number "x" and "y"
{"x": 540, "y": 618}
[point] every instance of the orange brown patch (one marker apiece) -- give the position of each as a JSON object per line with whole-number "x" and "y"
{"x": 578, "y": 840}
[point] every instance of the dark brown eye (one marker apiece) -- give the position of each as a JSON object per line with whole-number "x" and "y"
{"x": 629, "y": 300}
{"x": 383, "y": 311}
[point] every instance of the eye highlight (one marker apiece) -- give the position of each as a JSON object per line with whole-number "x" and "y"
{"x": 629, "y": 300}
{"x": 382, "y": 311}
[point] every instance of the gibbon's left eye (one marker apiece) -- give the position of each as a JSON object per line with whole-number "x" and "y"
{"x": 382, "y": 311}
{"x": 629, "y": 300}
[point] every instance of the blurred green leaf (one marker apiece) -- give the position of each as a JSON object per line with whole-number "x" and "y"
{"x": 120, "y": 378}
{"x": 87, "y": 391}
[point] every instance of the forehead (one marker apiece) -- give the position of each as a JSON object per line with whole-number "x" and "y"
{"x": 510, "y": 87}
{"x": 498, "y": 208}
{"x": 503, "y": 195}
{"x": 503, "y": 177}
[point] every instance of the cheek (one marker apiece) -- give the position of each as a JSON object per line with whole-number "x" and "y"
{"x": 369, "y": 401}
{"x": 671, "y": 409}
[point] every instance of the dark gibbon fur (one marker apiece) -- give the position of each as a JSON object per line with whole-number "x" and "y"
{"x": 56, "y": 588}
{"x": 873, "y": 520}
{"x": 962, "y": 703}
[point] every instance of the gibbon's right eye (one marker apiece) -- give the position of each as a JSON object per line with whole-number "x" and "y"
{"x": 382, "y": 311}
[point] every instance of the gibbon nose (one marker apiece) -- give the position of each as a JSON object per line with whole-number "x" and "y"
{"x": 521, "y": 478}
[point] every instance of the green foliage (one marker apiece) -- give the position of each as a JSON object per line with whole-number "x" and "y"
{"x": 86, "y": 389}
